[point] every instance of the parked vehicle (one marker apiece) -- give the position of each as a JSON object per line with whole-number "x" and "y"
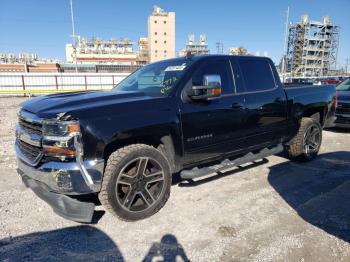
{"x": 329, "y": 81}
{"x": 194, "y": 115}
{"x": 342, "y": 79}
{"x": 299, "y": 82}
{"x": 343, "y": 104}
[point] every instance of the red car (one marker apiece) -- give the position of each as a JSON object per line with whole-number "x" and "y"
{"x": 330, "y": 81}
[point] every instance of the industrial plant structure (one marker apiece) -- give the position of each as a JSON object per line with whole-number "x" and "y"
{"x": 238, "y": 51}
{"x": 29, "y": 58}
{"x": 27, "y": 62}
{"x": 143, "y": 56}
{"x": 119, "y": 55}
{"x": 96, "y": 51}
{"x": 312, "y": 48}
{"x": 200, "y": 48}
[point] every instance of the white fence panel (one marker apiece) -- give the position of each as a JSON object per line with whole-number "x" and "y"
{"x": 39, "y": 82}
{"x": 16, "y": 83}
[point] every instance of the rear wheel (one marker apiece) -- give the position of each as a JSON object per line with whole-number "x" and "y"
{"x": 136, "y": 182}
{"x": 306, "y": 144}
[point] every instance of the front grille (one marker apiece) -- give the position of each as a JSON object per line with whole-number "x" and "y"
{"x": 30, "y": 127}
{"x": 29, "y": 151}
{"x": 29, "y": 137}
{"x": 342, "y": 121}
{"x": 343, "y": 108}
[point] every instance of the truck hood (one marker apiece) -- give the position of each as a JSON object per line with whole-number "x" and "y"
{"x": 50, "y": 106}
{"x": 344, "y": 96}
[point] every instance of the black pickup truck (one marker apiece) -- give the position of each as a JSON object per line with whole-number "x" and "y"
{"x": 192, "y": 116}
{"x": 343, "y": 104}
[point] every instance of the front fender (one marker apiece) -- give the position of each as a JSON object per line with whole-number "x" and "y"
{"x": 152, "y": 120}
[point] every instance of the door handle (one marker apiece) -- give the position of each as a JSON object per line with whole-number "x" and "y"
{"x": 237, "y": 105}
{"x": 278, "y": 100}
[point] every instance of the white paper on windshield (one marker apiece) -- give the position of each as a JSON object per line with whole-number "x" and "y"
{"x": 176, "y": 68}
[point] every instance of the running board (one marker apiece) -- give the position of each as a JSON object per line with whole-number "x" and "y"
{"x": 228, "y": 165}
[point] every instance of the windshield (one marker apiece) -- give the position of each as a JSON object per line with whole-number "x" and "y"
{"x": 344, "y": 86}
{"x": 156, "y": 79}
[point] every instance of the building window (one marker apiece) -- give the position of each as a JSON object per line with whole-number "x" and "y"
{"x": 155, "y": 33}
{"x": 164, "y": 22}
{"x": 164, "y": 55}
{"x": 164, "y": 51}
{"x": 164, "y": 33}
{"x": 155, "y": 41}
{"x": 155, "y": 21}
{"x": 156, "y": 51}
{"x": 164, "y": 41}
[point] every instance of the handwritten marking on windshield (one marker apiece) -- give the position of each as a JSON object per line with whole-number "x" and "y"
{"x": 167, "y": 84}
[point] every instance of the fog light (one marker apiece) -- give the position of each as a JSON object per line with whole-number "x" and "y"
{"x": 64, "y": 181}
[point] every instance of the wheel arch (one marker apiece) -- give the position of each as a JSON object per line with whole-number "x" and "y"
{"x": 164, "y": 143}
{"x": 316, "y": 112}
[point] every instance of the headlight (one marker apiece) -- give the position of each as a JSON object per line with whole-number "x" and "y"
{"x": 60, "y": 129}
{"x": 59, "y": 138}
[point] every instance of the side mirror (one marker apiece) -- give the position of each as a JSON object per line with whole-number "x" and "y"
{"x": 210, "y": 89}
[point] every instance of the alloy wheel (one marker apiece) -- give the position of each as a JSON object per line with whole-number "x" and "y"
{"x": 139, "y": 184}
{"x": 312, "y": 139}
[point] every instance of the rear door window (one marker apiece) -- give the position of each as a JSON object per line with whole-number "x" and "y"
{"x": 257, "y": 75}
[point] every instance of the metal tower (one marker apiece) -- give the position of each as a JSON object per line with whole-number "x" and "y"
{"x": 219, "y": 48}
{"x": 312, "y": 48}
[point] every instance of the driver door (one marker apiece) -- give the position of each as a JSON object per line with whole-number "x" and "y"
{"x": 212, "y": 128}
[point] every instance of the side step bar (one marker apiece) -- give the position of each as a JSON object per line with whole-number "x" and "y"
{"x": 228, "y": 165}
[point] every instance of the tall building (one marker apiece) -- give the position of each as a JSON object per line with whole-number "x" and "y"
{"x": 161, "y": 35}
{"x": 200, "y": 48}
{"x": 311, "y": 49}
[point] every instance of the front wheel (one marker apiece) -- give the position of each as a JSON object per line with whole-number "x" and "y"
{"x": 136, "y": 182}
{"x": 306, "y": 144}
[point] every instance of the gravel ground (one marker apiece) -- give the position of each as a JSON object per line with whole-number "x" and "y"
{"x": 273, "y": 211}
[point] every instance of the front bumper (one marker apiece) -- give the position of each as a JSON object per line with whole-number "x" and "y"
{"x": 330, "y": 122}
{"x": 343, "y": 120}
{"x": 62, "y": 205}
{"x": 70, "y": 178}
{"x": 57, "y": 182}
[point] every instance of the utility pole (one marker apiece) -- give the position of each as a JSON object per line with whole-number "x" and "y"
{"x": 285, "y": 48}
{"x": 73, "y": 35}
{"x": 346, "y": 65}
{"x": 219, "y": 48}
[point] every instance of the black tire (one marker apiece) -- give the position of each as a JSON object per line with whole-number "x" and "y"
{"x": 127, "y": 189}
{"x": 301, "y": 147}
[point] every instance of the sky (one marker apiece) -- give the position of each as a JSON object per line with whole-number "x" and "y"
{"x": 44, "y": 26}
